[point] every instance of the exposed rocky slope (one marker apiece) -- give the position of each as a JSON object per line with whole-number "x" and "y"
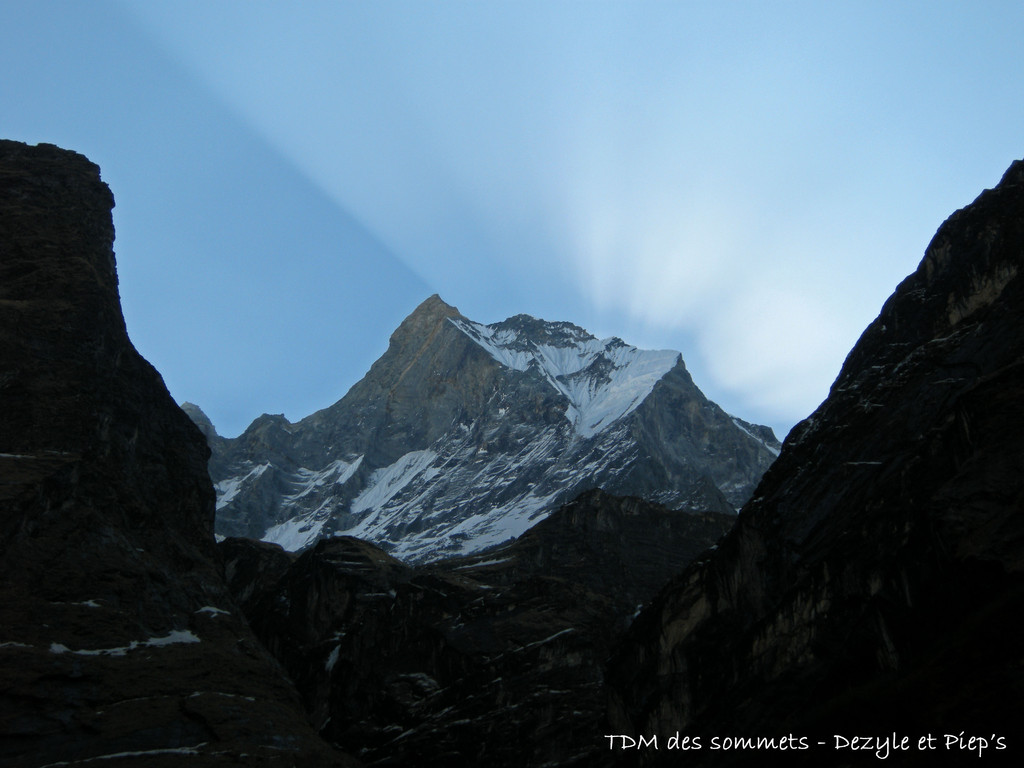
{"x": 490, "y": 659}
{"x": 119, "y": 641}
{"x": 874, "y": 583}
{"x": 463, "y": 435}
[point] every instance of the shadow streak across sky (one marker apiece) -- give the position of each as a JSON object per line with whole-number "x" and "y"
{"x": 229, "y": 223}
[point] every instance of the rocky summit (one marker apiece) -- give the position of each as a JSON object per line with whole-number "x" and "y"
{"x": 119, "y": 640}
{"x": 464, "y": 435}
{"x": 874, "y": 585}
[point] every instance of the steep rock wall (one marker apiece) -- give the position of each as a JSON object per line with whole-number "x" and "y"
{"x": 874, "y": 582}
{"x": 117, "y": 633}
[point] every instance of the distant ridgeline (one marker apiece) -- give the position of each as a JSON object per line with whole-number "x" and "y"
{"x": 463, "y": 435}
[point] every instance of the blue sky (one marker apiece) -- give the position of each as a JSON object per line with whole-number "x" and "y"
{"x": 743, "y": 182}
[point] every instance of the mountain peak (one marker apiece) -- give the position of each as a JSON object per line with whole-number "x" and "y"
{"x": 602, "y": 381}
{"x": 526, "y": 328}
{"x": 425, "y": 318}
{"x": 434, "y": 306}
{"x": 462, "y": 435}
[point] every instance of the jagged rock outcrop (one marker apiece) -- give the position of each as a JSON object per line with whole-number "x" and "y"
{"x": 494, "y": 658}
{"x": 874, "y": 583}
{"x": 118, "y": 636}
{"x": 463, "y": 435}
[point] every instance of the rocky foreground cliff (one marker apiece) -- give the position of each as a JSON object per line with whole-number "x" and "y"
{"x": 874, "y": 585}
{"x": 119, "y": 641}
{"x": 496, "y": 658}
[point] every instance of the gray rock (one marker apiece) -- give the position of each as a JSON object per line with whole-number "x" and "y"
{"x": 462, "y": 436}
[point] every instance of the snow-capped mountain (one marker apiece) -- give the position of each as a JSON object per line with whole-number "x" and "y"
{"x": 463, "y": 435}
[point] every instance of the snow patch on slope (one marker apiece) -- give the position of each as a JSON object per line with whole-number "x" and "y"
{"x": 229, "y": 488}
{"x": 173, "y": 637}
{"x": 500, "y": 524}
{"x": 296, "y": 533}
{"x": 603, "y": 379}
{"x": 308, "y": 481}
{"x": 401, "y": 506}
{"x": 768, "y": 446}
{"x": 385, "y": 483}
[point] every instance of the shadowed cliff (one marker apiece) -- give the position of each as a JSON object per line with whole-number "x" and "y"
{"x": 118, "y": 638}
{"x": 874, "y": 582}
{"x": 495, "y": 658}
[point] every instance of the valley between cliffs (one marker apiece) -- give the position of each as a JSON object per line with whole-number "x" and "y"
{"x": 872, "y": 584}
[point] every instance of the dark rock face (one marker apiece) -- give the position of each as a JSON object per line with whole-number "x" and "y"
{"x": 463, "y": 435}
{"x": 495, "y": 658}
{"x": 117, "y": 632}
{"x": 874, "y": 583}
{"x": 619, "y": 547}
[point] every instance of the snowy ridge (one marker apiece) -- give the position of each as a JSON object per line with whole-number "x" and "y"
{"x": 484, "y": 499}
{"x": 603, "y": 379}
{"x": 454, "y": 499}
